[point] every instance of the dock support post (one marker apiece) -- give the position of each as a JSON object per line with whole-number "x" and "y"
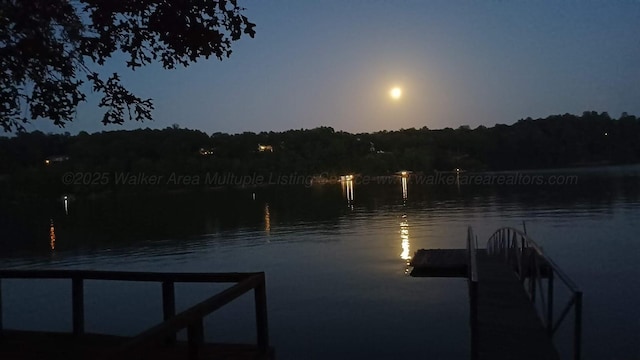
{"x": 577, "y": 327}
{"x": 195, "y": 338}
{"x": 550, "y": 303}
{"x": 168, "y": 306}
{"x": 260, "y": 294}
{"x": 1, "y": 326}
{"x": 533, "y": 277}
{"x": 77, "y": 303}
{"x": 473, "y": 313}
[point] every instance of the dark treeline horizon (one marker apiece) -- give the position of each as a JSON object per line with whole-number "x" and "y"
{"x": 555, "y": 141}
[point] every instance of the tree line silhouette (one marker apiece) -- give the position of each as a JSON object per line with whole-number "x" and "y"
{"x": 30, "y": 160}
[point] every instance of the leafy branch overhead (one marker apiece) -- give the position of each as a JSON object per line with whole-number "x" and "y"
{"x": 48, "y": 49}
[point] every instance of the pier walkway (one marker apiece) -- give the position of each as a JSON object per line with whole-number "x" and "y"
{"x": 511, "y": 292}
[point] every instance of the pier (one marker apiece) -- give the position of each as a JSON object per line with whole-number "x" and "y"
{"x": 157, "y": 342}
{"x": 511, "y": 295}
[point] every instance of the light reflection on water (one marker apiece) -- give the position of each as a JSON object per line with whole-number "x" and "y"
{"x": 341, "y": 277}
{"x": 52, "y": 236}
{"x": 348, "y": 190}
{"x": 405, "y": 188}
{"x": 267, "y": 219}
{"x": 404, "y": 236}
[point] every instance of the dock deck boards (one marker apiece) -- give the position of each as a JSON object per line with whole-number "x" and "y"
{"x": 508, "y": 325}
{"x": 38, "y": 345}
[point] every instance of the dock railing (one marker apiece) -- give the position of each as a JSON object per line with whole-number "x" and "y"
{"x": 472, "y": 276}
{"x": 532, "y": 266}
{"x": 191, "y": 318}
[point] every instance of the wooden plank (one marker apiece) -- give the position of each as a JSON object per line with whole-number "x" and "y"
{"x": 124, "y": 275}
{"x": 508, "y": 325}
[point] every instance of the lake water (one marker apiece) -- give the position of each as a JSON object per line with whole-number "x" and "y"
{"x": 335, "y": 260}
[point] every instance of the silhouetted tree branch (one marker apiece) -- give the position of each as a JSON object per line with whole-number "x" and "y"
{"x": 48, "y": 49}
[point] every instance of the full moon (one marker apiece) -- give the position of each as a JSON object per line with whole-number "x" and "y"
{"x": 395, "y": 93}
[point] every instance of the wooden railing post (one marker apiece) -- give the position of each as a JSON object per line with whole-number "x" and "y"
{"x": 577, "y": 327}
{"x": 506, "y": 246}
{"x": 1, "y": 326}
{"x": 513, "y": 247}
{"x": 473, "y": 314}
{"x": 535, "y": 266}
{"x": 195, "y": 338}
{"x": 77, "y": 304}
{"x": 168, "y": 306}
{"x": 550, "y": 303}
{"x": 260, "y": 294}
{"x": 472, "y": 276}
{"x": 532, "y": 278}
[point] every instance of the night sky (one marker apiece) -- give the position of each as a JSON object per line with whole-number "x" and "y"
{"x": 333, "y": 63}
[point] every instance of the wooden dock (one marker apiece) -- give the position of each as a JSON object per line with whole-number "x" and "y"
{"x": 158, "y": 342}
{"x": 508, "y": 325}
{"x": 505, "y": 280}
{"x": 453, "y": 263}
{"x": 439, "y": 263}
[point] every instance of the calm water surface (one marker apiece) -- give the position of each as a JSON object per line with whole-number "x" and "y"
{"x": 335, "y": 260}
